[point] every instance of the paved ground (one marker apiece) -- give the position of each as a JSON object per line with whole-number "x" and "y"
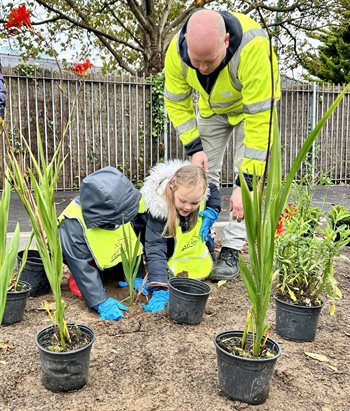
{"x": 324, "y": 197}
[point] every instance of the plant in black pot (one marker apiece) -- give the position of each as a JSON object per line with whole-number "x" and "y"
{"x": 13, "y": 292}
{"x": 304, "y": 262}
{"x": 64, "y": 348}
{"x": 246, "y": 358}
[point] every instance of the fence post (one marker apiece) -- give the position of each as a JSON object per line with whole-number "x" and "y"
{"x": 165, "y": 134}
{"x": 313, "y": 124}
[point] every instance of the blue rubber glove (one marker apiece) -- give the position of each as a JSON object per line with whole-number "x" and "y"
{"x": 157, "y": 302}
{"x": 110, "y": 309}
{"x": 137, "y": 285}
{"x": 209, "y": 217}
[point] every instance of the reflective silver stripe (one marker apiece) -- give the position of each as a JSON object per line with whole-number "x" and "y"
{"x": 189, "y": 125}
{"x": 234, "y": 62}
{"x": 226, "y": 104}
{"x": 183, "y": 64}
{"x": 176, "y": 97}
{"x": 257, "y": 107}
{"x": 255, "y": 154}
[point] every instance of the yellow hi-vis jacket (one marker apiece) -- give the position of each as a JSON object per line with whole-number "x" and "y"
{"x": 190, "y": 253}
{"x": 104, "y": 245}
{"x": 242, "y": 91}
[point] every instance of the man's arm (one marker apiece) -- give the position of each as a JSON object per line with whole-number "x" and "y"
{"x": 179, "y": 102}
{"x": 255, "y": 75}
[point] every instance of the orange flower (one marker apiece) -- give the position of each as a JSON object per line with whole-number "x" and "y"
{"x": 18, "y": 18}
{"x": 280, "y": 229}
{"x": 81, "y": 69}
{"x": 289, "y": 211}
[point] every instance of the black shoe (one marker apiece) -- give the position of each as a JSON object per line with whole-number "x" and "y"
{"x": 227, "y": 267}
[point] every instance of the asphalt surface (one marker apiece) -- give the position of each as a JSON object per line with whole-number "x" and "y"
{"x": 323, "y": 197}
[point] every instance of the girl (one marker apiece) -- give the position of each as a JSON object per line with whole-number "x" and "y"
{"x": 178, "y": 208}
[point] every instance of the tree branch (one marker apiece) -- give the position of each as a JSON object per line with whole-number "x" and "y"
{"x": 87, "y": 27}
{"x": 134, "y": 7}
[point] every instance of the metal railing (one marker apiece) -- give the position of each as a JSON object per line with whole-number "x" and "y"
{"x": 108, "y": 121}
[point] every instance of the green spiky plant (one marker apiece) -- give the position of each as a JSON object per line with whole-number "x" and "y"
{"x": 35, "y": 188}
{"x": 262, "y": 211}
{"x": 8, "y": 254}
{"x": 131, "y": 259}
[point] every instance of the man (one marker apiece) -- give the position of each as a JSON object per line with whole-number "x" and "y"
{"x": 2, "y": 97}
{"x": 225, "y": 57}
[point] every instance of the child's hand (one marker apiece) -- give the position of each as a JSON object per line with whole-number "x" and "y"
{"x": 209, "y": 217}
{"x": 138, "y": 283}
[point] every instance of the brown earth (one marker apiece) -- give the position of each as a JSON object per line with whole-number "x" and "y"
{"x": 147, "y": 362}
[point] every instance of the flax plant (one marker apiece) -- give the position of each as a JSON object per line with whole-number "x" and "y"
{"x": 36, "y": 188}
{"x": 8, "y": 254}
{"x": 262, "y": 211}
{"x": 131, "y": 258}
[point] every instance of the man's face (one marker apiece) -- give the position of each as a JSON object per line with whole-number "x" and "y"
{"x": 207, "y": 57}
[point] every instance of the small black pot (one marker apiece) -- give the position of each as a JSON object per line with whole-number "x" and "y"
{"x": 65, "y": 371}
{"x": 34, "y": 273}
{"x": 244, "y": 379}
{"x": 296, "y": 322}
{"x": 187, "y": 300}
{"x": 15, "y": 304}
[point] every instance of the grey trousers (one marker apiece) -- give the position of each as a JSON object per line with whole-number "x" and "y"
{"x": 215, "y": 132}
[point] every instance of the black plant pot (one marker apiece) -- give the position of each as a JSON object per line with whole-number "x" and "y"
{"x": 187, "y": 300}
{"x": 296, "y": 322}
{"x": 15, "y": 304}
{"x": 244, "y": 379}
{"x": 34, "y": 273}
{"x": 65, "y": 371}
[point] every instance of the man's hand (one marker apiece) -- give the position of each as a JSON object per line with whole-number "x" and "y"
{"x": 236, "y": 205}
{"x": 200, "y": 159}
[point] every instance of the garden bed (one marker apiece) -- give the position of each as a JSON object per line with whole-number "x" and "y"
{"x": 147, "y": 362}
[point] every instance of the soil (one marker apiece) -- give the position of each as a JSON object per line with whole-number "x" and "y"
{"x": 147, "y": 362}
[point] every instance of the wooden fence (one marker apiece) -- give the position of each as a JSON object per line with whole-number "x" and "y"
{"x": 108, "y": 121}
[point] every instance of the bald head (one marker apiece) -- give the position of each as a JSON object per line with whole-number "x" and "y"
{"x": 207, "y": 40}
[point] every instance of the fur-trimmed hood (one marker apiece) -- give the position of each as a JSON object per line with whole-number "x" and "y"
{"x": 154, "y": 187}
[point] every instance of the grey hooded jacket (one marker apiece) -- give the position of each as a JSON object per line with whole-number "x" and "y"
{"x": 107, "y": 198}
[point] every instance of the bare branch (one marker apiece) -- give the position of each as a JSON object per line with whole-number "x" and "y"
{"x": 135, "y": 9}
{"x": 87, "y": 26}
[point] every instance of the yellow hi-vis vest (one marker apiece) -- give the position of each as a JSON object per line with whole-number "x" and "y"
{"x": 104, "y": 245}
{"x": 190, "y": 253}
